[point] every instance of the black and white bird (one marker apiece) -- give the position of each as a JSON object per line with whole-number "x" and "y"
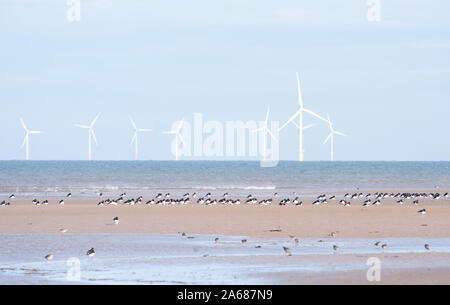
{"x": 423, "y": 212}
{"x": 61, "y": 202}
{"x": 69, "y": 195}
{"x": 116, "y": 220}
{"x": 287, "y": 251}
{"x": 12, "y": 196}
{"x": 427, "y": 247}
{"x": 49, "y": 257}
{"x": 91, "y": 252}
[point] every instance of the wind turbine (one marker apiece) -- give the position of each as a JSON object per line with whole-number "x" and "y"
{"x": 91, "y": 134}
{"x": 299, "y": 114}
{"x": 178, "y": 137}
{"x": 135, "y": 136}
{"x": 265, "y": 129}
{"x": 331, "y": 137}
{"x": 26, "y": 140}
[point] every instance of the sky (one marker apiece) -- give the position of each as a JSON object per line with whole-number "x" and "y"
{"x": 385, "y": 84}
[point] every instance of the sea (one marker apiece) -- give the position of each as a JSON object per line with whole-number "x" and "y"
{"x": 238, "y": 178}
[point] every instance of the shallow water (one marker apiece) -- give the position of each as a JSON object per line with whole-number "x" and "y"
{"x": 172, "y": 259}
{"x": 147, "y": 178}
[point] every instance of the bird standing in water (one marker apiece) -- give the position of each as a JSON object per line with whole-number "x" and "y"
{"x": 91, "y": 252}
{"x": 287, "y": 251}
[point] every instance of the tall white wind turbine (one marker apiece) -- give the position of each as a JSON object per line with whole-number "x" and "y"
{"x": 91, "y": 135}
{"x": 178, "y": 137}
{"x": 265, "y": 130}
{"x": 299, "y": 114}
{"x": 135, "y": 137}
{"x": 331, "y": 137}
{"x": 26, "y": 140}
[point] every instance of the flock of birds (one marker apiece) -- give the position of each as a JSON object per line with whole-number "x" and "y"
{"x": 160, "y": 199}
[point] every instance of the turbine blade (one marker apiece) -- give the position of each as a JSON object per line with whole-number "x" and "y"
{"x": 134, "y": 138}
{"x": 309, "y": 126}
{"x": 25, "y": 140}
{"x": 23, "y": 124}
{"x": 181, "y": 138}
{"x": 290, "y": 120}
{"x": 328, "y": 138}
{"x": 180, "y": 125}
{"x": 93, "y": 136}
{"x": 132, "y": 122}
{"x": 315, "y": 114}
{"x": 272, "y": 135}
{"x": 145, "y": 130}
{"x": 267, "y": 117}
{"x": 82, "y": 126}
{"x": 36, "y": 132}
{"x": 340, "y": 133}
{"x": 95, "y": 120}
{"x": 300, "y": 99}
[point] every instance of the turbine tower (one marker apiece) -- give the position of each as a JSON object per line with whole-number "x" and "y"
{"x": 331, "y": 137}
{"x": 299, "y": 114}
{"x": 91, "y": 135}
{"x": 265, "y": 130}
{"x": 135, "y": 137}
{"x": 26, "y": 141}
{"x": 178, "y": 137}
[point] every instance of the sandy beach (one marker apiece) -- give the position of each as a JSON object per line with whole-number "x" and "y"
{"x": 153, "y": 251}
{"x": 356, "y": 221}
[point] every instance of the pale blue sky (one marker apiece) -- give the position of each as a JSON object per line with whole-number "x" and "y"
{"x": 386, "y": 84}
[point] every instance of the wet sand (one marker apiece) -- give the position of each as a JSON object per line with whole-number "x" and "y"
{"x": 130, "y": 252}
{"x": 173, "y": 259}
{"x": 84, "y": 216}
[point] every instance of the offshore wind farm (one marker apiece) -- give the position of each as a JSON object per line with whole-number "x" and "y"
{"x": 223, "y": 142}
{"x": 265, "y": 130}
